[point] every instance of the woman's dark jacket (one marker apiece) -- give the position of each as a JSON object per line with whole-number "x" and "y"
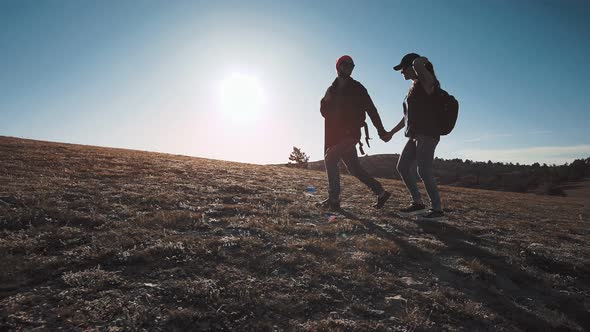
{"x": 419, "y": 112}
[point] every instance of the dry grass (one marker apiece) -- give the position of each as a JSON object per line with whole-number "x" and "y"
{"x": 110, "y": 239}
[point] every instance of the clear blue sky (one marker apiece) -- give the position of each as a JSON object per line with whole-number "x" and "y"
{"x": 242, "y": 80}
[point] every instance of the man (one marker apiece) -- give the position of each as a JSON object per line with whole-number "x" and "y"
{"x": 343, "y": 107}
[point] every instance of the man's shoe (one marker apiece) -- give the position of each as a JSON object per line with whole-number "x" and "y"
{"x": 329, "y": 204}
{"x": 412, "y": 210}
{"x": 381, "y": 199}
{"x": 432, "y": 215}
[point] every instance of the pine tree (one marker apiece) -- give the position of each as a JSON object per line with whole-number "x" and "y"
{"x": 299, "y": 158}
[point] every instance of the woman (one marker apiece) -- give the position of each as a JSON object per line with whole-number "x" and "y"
{"x": 423, "y": 136}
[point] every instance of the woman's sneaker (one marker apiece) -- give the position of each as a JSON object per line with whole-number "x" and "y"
{"x": 412, "y": 210}
{"x": 432, "y": 215}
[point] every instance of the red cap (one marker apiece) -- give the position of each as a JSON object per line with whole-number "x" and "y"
{"x": 343, "y": 58}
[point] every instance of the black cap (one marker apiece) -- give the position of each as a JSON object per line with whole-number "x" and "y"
{"x": 406, "y": 61}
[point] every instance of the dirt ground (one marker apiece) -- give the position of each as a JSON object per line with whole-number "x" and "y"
{"x": 110, "y": 239}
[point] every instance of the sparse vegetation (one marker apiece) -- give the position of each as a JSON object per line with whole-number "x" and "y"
{"x": 111, "y": 239}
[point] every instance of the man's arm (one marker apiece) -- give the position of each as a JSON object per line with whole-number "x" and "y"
{"x": 325, "y": 102}
{"x": 373, "y": 114}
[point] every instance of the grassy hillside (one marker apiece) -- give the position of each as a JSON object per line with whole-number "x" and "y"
{"x": 112, "y": 239}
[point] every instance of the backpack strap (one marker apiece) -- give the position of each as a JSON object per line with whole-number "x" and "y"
{"x": 367, "y": 138}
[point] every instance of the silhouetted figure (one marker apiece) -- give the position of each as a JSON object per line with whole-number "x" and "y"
{"x": 423, "y": 135}
{"x": 344, "y": 107}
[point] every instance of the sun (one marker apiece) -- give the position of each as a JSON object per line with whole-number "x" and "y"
{"x": 242, "y": 97}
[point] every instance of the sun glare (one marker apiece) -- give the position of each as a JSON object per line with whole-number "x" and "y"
{"x": 241, "y": 96}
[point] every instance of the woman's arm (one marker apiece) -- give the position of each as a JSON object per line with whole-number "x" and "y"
{"x": 424, "y": 76}
{"x": 387, "y": 137}
{"x": 399, "y": 126}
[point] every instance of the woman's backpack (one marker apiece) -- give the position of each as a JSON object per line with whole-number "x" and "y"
{"x": 448, "y": 112}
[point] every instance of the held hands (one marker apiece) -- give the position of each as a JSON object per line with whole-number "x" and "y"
{"x": 387, "y": 136}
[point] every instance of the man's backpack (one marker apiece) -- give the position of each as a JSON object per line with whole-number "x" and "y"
{"x": 358, "y": 120}
{"x": 448, "y": 111}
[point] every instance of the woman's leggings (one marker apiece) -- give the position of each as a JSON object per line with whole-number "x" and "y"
{"x": 416, "y": 159}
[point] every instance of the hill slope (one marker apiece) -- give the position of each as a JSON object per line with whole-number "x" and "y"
{"x": 95, "y": 237}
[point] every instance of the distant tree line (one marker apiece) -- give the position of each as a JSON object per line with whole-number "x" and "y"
{"x": 536, "y": 178}
{"x": 541, "y": 179}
